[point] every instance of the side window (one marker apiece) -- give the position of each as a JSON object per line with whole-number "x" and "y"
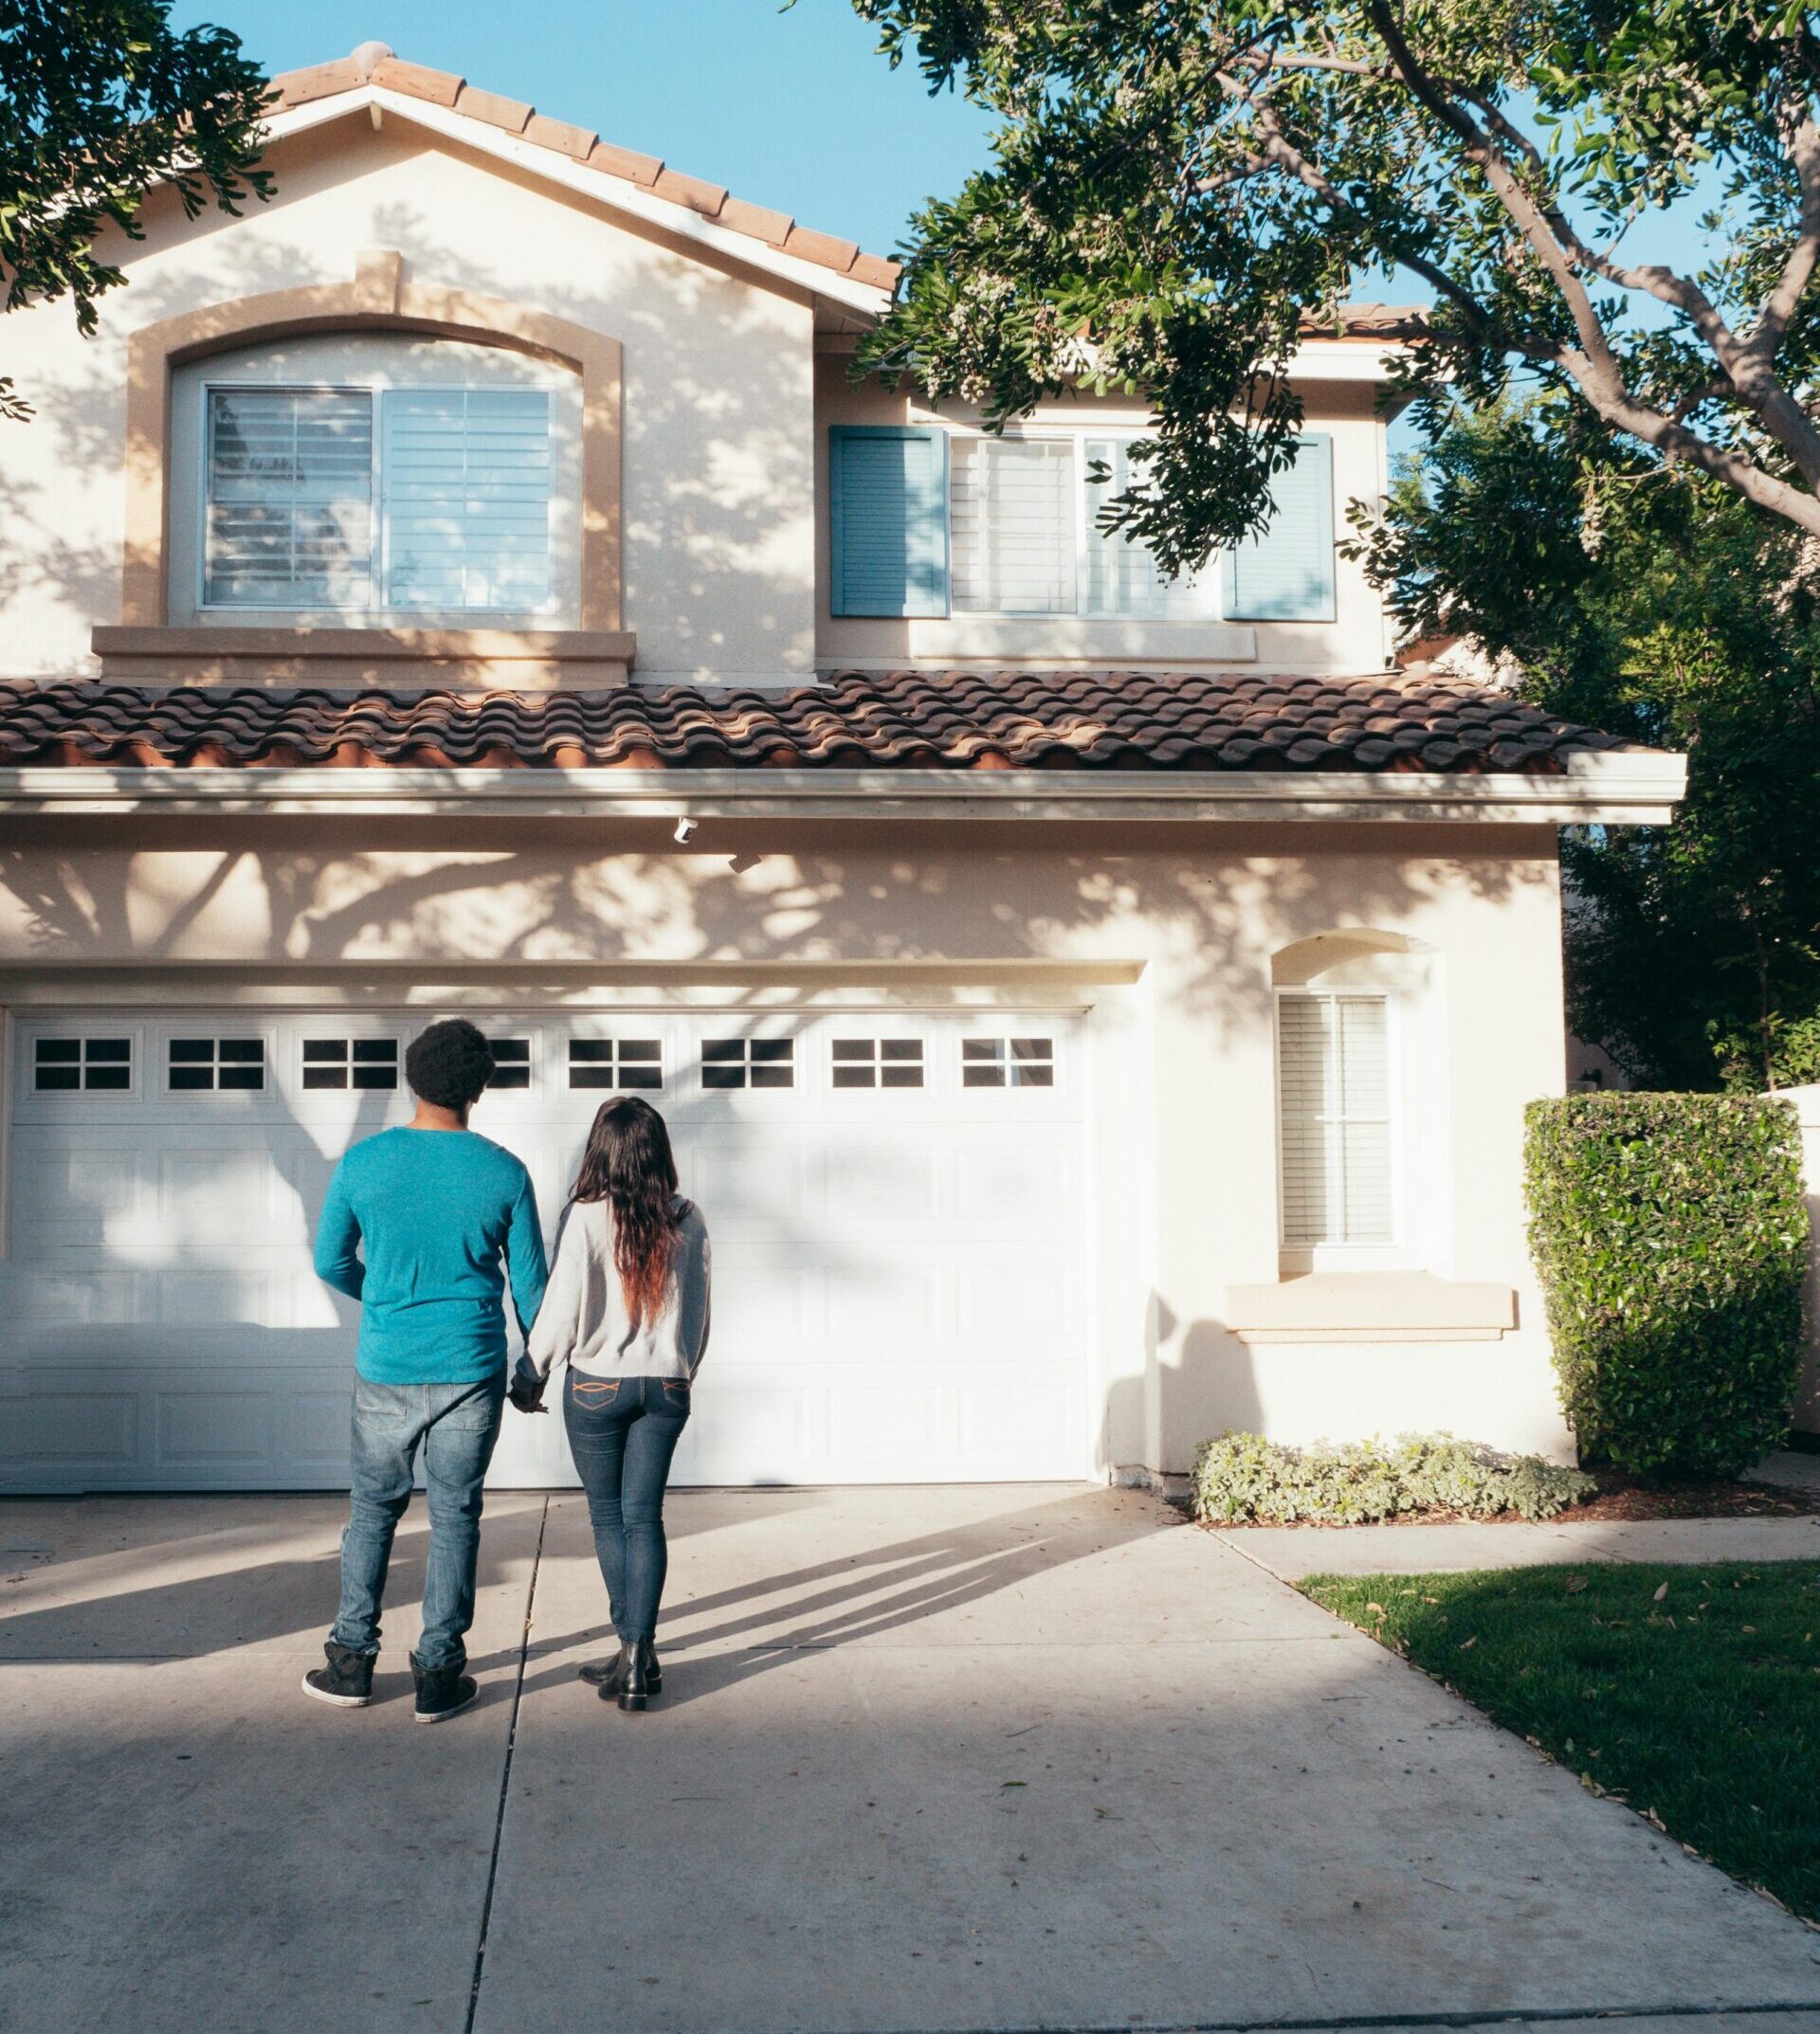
{"x": 1287, "y": 573}
{"x": 82, "y": 1066}
{"x": 1334, "y": 1109}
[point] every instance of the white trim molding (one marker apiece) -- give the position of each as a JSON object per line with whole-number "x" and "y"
{"x": 1621, "y": 787}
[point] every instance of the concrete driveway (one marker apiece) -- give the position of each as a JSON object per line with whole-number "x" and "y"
{"x": 927, "y": 1759}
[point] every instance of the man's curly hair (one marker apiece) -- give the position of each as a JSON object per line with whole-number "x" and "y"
{"x": 449, "y": 1065}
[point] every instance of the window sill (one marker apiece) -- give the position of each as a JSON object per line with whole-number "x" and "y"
{"x": 1369, "y": 1306}
{"x": 508, "y": 659}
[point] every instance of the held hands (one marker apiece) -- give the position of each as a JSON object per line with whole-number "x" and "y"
{"x": 526, "y": 1394}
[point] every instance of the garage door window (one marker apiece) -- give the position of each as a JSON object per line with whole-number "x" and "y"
{"x": 749, "y": 1063}
{"x": 618, "y": 1063}
{"x": 207, "y": 1065}
{"x": 71, "y": 1065}
{"x": 351, "y": 1062}
{"x": 878, "y": 1063}
{"x": 511, "y": 1062}
{"x": 1008, "y": 1062}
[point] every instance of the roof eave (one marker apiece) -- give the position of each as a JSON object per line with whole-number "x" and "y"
{"x": 630, "y": 200}
{"x": 1616, "y": 788}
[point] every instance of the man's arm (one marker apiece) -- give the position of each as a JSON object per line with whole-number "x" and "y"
{"x": 524, "y": 1261}
{"x": 337, "y": 1242}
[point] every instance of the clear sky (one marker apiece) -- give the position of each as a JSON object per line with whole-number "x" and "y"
{"x": 785, "y": 106}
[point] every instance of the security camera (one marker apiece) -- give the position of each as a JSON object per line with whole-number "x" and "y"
{"x": 685, "y": 832}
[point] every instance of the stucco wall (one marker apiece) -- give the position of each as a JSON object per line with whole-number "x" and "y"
{"x": 1164, "y": 935}
{"x": 718, "y": 430}
{"x": 1357, "y": 640}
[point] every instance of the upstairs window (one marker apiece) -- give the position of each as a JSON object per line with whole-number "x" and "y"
{"x": 928, "y": 521}
{"x": 1334, "y": 1107}
{"x": 412, "y": 499}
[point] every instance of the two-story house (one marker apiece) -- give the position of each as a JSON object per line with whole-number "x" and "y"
{"x": 1094, "y": 1012}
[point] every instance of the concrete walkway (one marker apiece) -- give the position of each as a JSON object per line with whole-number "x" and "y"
{"x": 963, "y": 1759}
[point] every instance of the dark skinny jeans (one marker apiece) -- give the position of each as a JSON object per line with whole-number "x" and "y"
{"x": 623, "y": 1432}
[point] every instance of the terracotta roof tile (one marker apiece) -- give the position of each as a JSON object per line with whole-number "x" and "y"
{"x": 899, "y": 720}
{"x": 444, "y": 88}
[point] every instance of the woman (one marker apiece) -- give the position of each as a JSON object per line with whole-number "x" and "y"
{"x": 628, "y": 1309}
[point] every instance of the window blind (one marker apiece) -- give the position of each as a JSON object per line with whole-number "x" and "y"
{"x": 1122, "y": 578}
{"x": 467, "y": 497}
{"x": 290, "y": 512}
{"x": 888, "y": 520}
{"x": 1333, "y": 1102}
{"x": 1012, "y": 507}
{"x": 1287, "y": 573}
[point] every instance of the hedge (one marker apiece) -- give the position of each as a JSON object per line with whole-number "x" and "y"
{"x": 1670, "y": 1235}
{"x": 1242, "y": 1479}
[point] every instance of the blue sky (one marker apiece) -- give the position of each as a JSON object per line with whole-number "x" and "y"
{"x": 788, "y": 107}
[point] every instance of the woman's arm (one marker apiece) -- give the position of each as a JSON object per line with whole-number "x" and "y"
{"x": 701, "y": 1285}
{"x": 553, "y": 1334}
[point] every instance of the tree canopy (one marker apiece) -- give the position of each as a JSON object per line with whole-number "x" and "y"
{"x": 1663, "y": 606}
{"x": 1176, "y": 190}
{"x": 98, "y": 101}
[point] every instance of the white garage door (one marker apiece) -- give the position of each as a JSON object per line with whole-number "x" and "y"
{"x": 899, "y": 1206}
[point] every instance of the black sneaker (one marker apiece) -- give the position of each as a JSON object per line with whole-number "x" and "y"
{"x": 443, "y": 1692}
{"x": 347, "y": 1681}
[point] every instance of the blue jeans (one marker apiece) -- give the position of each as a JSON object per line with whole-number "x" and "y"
{"x": 623, "y": 1432}
{"x": 456, "y": 1425}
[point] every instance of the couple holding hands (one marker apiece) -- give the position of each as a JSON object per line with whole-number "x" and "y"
{"x": 426, "y": 1225}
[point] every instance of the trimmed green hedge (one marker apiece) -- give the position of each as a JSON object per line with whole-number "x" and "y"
{"x": 1670, "y": 1235}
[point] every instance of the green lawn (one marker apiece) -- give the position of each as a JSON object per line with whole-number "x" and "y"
{"x": 1691, "y": 1693}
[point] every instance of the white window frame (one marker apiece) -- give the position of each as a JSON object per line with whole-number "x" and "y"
{"x": 526, "y": 1035}
{"x": 1076, "y": 435}
{"x": 616, "y": 1062}
{"x": 82, "y": 1032}
{"x": 216, "y": 1037}
{"x": 1392, "y": 1254}
{"x": 379, "y": 549}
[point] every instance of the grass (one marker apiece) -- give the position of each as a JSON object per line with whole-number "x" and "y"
{"x": 1691, "y": 1693}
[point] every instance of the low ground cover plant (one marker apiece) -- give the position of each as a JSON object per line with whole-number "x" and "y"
{"x": 1693, "y": 1694}
{"x": 1244, "y": 1477}
{"x": 1670, "y": 1235}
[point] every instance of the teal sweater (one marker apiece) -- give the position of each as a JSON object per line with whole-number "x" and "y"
{"x": 433, "y": 1212}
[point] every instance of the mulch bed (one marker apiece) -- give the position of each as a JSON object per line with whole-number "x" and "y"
{"x": 1619, "y": 1498}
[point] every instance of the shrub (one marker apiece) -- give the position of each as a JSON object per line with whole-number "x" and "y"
{"x": 1243, "y": 1477}
{"x": 1669, "y": 1233}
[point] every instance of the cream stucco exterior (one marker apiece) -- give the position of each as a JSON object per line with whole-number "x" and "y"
{"x": 1168, "y": 923}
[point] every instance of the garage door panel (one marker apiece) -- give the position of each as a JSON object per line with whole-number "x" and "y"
{"x": 899, "y": 1282}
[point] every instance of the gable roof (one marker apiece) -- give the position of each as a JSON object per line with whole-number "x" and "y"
{"x": 374, "y": 68}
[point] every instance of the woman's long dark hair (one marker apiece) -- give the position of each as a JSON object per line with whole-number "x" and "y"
{"x": 630, "y": 1165}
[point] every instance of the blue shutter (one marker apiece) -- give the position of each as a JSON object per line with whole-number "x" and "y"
{"x": 887, "y": 496}
{"x": 1287, "y": 573}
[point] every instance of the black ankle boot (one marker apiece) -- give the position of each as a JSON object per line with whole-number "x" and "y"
{"x": 631, "y": 1684}
{"x": 604, "y": 1673}
{"x": 653, "y": 1672}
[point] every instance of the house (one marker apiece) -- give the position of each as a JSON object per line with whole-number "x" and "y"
{"x": 1093, "y": 1012}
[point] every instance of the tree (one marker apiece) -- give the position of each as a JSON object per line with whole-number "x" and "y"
{"x": 1175, "y": 189}
{"x": 1663, "y": 606}
{"x": 98, "y": 101}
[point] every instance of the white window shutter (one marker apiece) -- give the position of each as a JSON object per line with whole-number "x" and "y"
{"x": 1122, "y": 578}
{"x": 467, "y": 477}
{"x": 1333, "y": 1105}
{"x": 1013, "y": 508}
{"x": 289, "y": 509}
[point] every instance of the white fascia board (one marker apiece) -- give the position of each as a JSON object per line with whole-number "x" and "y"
{"x": 1367, "y": 360}
{"x": 613, "y": 191}
{"x": 1635, "y": 787}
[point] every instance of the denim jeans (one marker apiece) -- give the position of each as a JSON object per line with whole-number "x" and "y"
{"x": 623, "y": 1432}
{"x": 456, "y": 1425}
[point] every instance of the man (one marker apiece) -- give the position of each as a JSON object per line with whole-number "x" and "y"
{"x": 435, "y": 1209}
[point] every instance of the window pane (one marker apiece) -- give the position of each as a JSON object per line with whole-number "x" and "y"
{"x": 191, "y": 1077}
{"x": 187, "y": 1051}
{"x": 1333, "y": 1055}
{"x": 467, "y": 497}
{"x": 110, "y": 1049}
{"x": 60, "y": 1051}
{"x": 1013, "y": 509}
{"x": 242, "y": 1050}
{"x": 773, "y": 1050}
{"x": 289, "y": 510}
{"x": 1122, "y": 578}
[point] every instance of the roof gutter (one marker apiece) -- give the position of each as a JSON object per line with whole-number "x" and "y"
{"x": 1627, "y": 788}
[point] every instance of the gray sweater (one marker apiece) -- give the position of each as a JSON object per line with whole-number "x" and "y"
{"x": 582, "y": 1320}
